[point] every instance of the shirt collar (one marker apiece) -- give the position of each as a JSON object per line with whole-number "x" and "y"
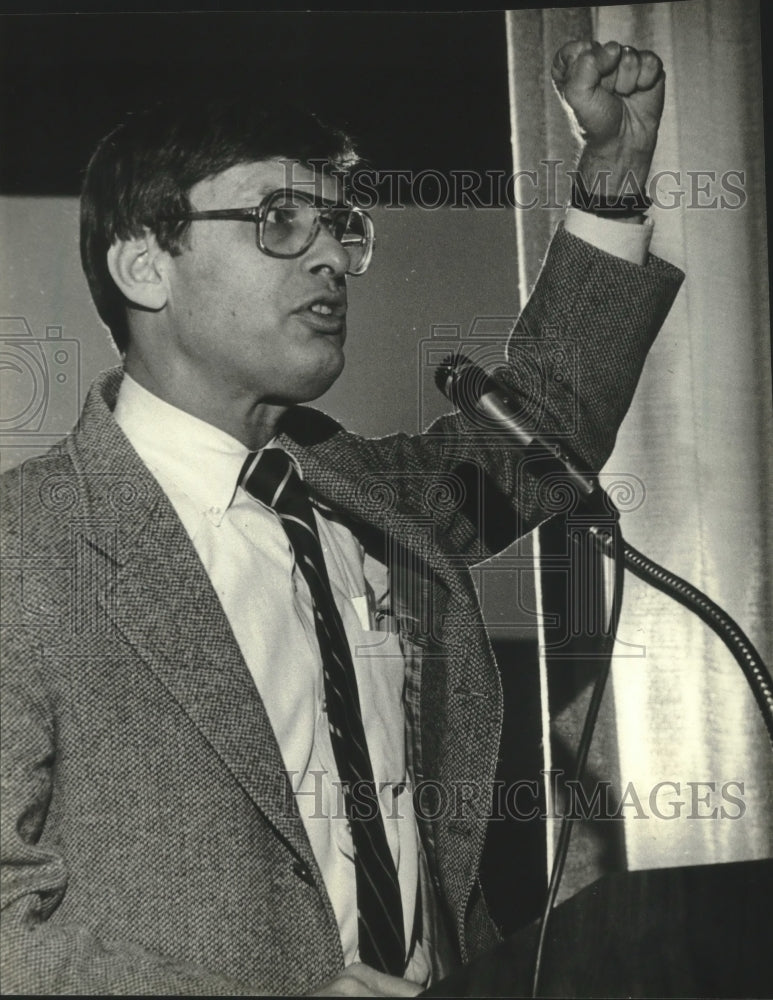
{"x": 201, "y": 460}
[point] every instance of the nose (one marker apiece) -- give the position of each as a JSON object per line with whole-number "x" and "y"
{"x": 326, "y": 253}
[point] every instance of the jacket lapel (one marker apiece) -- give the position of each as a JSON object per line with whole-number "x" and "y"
{"x": 160, "y": 600}
{"x": 362, "y": 495}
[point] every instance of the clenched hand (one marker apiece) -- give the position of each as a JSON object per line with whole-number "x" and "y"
{"x": 615, "y": 95}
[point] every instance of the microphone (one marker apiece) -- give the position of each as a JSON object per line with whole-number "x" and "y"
{"x": 478, "y": 393}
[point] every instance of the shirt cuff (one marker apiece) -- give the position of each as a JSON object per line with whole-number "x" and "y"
{"x": 631, "y": 242}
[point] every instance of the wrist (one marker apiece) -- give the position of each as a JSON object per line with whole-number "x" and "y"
{"x": 618, "y": 165}
{"x": 627, "y": 201}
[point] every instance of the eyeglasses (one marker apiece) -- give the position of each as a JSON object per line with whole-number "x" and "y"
{"x": 287, "y": 223}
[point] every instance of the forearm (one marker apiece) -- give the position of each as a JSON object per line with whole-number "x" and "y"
{"x": 604, "y": 311}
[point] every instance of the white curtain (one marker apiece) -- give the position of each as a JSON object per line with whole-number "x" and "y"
{"x": 699, "y": 435}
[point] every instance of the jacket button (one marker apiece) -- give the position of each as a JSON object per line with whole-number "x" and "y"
{"x": 302, "y": 871}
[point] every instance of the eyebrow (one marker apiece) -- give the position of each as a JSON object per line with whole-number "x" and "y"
{"x": 253, "y": 197}
{"x": 318, "y": 200}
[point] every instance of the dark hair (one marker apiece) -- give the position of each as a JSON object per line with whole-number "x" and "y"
{"x": 145, "y": 168}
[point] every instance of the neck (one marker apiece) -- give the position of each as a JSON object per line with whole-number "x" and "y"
{"x": 252, "y": 422}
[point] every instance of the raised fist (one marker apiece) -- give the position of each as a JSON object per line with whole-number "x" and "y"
{"x": 615, "y": 95}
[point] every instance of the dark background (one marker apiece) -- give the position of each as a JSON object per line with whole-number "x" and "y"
{"x": 417, "y": 90}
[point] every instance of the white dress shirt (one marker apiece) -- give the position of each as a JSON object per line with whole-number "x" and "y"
{"x": 631, "y": 241}
{"x": 245, "y": 552}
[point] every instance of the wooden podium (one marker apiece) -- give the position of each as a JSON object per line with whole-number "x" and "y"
{"x": 703, "y": 931}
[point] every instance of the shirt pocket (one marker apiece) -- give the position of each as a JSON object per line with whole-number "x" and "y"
{"x": 379, "y": 666}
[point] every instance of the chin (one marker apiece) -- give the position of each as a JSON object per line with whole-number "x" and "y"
{"x": 312, "y": 384}
{"x": 327, "y": 371}
{"x": 319, "y": 385}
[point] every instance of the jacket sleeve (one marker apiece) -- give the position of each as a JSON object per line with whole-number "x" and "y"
{"x": 42, "y": 956}
{"x": 572, "y": 363}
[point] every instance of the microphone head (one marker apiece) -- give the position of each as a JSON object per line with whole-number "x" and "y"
{"x": 463, "y": 382}
{"x": 447, "y": 369}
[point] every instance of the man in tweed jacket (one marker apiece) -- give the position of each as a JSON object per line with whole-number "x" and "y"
{"x": 151, "y": 839}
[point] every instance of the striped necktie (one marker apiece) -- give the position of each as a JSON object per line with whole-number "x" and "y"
{"x": 270, "y": 476}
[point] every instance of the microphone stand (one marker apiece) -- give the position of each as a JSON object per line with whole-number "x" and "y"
{"x": 609, "y": 539}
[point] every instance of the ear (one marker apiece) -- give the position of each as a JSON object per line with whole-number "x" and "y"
{"x": 138, "y": 267}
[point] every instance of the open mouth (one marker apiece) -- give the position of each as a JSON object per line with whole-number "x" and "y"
{"x": 325, "y": 313}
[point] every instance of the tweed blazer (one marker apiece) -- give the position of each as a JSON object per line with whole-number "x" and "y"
{"x": 150, "y": 843}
